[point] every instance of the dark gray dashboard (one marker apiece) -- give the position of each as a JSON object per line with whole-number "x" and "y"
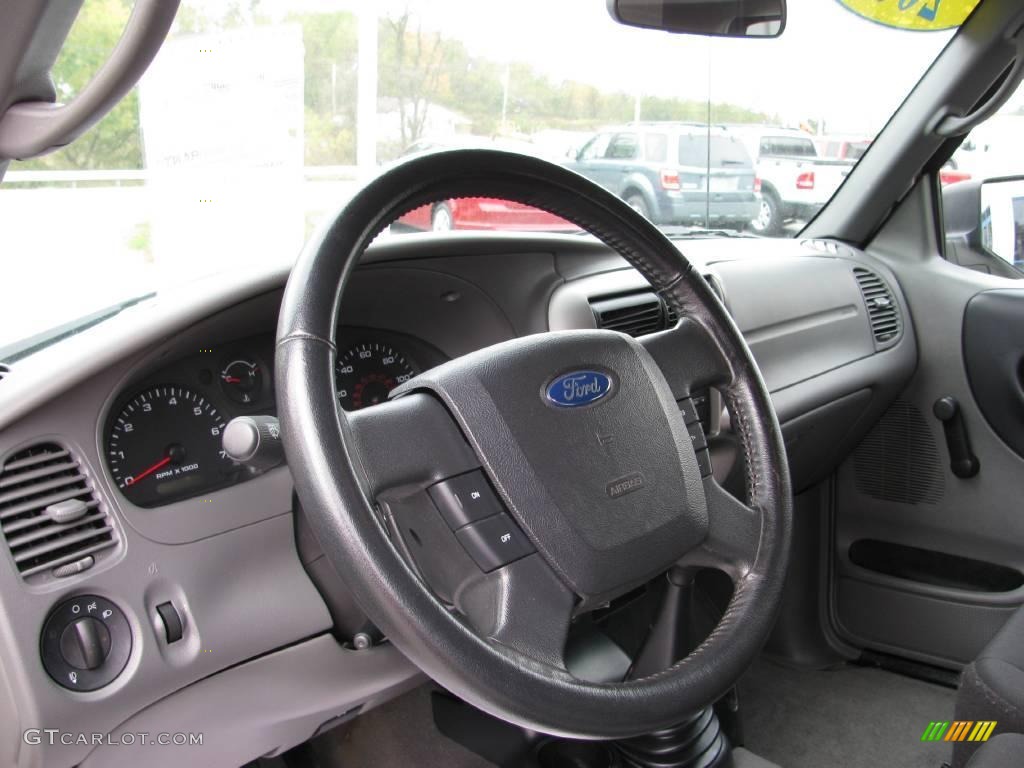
{"x": 228, "y": 558}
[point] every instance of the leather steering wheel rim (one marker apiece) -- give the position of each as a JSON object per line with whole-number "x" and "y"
{"x": 333, "y": 477}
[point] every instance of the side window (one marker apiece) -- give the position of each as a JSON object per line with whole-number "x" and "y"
{"x": 983, "y": 195}
{"x": 656, "y": 147}
{"x": 623, "y": 147}
{"x": 784, "y": 146}
{"x": 805, "y": 148}
{"x": 596, "y": 147}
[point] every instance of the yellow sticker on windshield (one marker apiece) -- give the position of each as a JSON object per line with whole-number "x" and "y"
{"x": 920, "y": 15}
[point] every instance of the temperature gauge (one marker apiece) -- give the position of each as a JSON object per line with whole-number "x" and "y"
{"x": 242, "y": 381}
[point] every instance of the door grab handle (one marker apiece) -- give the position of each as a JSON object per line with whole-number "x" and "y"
{"x": 962, "y": 461}
{"x": 947, "y": 124}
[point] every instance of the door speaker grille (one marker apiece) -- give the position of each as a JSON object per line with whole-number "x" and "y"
{"x": 899, "y": 460}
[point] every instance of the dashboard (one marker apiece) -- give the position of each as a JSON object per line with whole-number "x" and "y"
{"x": 222, "y": 608}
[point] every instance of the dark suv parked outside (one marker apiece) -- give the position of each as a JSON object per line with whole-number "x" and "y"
{"x": 662, "y": 169}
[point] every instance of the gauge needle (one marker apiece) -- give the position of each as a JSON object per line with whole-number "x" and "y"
{"x": 232, "y": 380}
{"x": 151, "y": 470}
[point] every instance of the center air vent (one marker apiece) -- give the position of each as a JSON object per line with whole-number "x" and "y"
{"x": 884, "y": 315}
{"x": 49, "y": 514}
{"x": 635, "y": 314}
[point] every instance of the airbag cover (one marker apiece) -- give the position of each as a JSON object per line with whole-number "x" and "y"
{"x": 609, "y": 491}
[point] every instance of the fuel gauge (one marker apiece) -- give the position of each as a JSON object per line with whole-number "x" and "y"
{"x": 242, "y": 381}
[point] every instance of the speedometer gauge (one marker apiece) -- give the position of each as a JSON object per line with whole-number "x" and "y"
{"x": 367, "y": 372}
{"x": 165, "y": 444}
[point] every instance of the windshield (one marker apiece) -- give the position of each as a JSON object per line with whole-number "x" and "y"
{"x": 258, "y": 117}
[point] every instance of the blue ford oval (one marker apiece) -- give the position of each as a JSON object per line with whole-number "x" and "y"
{"x": 576, "y": 388}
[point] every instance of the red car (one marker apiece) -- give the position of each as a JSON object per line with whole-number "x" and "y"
{"x": 483, "y": 213}
{"x": 952, "y": 176}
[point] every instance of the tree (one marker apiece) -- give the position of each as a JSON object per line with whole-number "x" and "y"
{"x": 411, "y": 67}
{"x": 421, "y": 69}
{"x": 114, "y": 142}
{"x": 417, "y": 68}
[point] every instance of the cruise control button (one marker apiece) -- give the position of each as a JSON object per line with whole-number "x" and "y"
{"x": 702, "y": 405}
{"x": 704, "y": 462}
{"x": 689, "y": 411}
{"x": 494, "y": 542}
{"x": 697, "y": 437}
{"x": 465, "y": 498}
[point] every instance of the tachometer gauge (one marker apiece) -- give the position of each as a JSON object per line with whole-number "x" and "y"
{"x": 366, "y": 373}
{"x": 165, "y": 444}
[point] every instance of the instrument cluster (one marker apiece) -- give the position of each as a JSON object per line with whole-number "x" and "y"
{"x": 162, "y": 437}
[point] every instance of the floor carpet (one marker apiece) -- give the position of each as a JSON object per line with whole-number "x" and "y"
{"x": 850, "y": 717}
{"x": 399, "y": 734}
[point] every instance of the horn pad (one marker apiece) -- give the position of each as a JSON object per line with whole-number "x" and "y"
{"x": 581, "y": 436}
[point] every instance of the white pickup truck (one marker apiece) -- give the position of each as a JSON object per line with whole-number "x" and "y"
{"x": 795, "y": 182}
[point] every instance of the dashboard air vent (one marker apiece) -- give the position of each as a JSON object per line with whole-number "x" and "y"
{"x": 884, "y": 315}
{"x": 49, "y": 514}
{"x": 635, "y": 314}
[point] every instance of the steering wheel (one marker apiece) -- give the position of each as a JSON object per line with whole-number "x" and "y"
{"x": 496, "y": 637}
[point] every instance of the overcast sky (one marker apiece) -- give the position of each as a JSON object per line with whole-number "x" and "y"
{"x": 829, "y": 62}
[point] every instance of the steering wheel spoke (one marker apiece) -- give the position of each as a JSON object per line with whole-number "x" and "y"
{"x": 689, "y": 358}
{"x": 411, "y": 441}
{"x": 523, "y": 606}
{"x": 734, "y": 533}
{"x": 407, "y": 445}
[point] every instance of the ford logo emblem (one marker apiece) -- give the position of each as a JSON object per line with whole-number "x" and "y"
{"x": 576, "y": 388}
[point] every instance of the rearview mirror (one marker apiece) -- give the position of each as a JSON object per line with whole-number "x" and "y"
{"x": 717, "y": 18}
{"x": 1002, "y": 219}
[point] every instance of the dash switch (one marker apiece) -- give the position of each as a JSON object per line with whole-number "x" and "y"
{"x": 172, "y": 621}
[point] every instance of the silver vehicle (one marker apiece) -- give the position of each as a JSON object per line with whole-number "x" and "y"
{"x": 674, "y": 173}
